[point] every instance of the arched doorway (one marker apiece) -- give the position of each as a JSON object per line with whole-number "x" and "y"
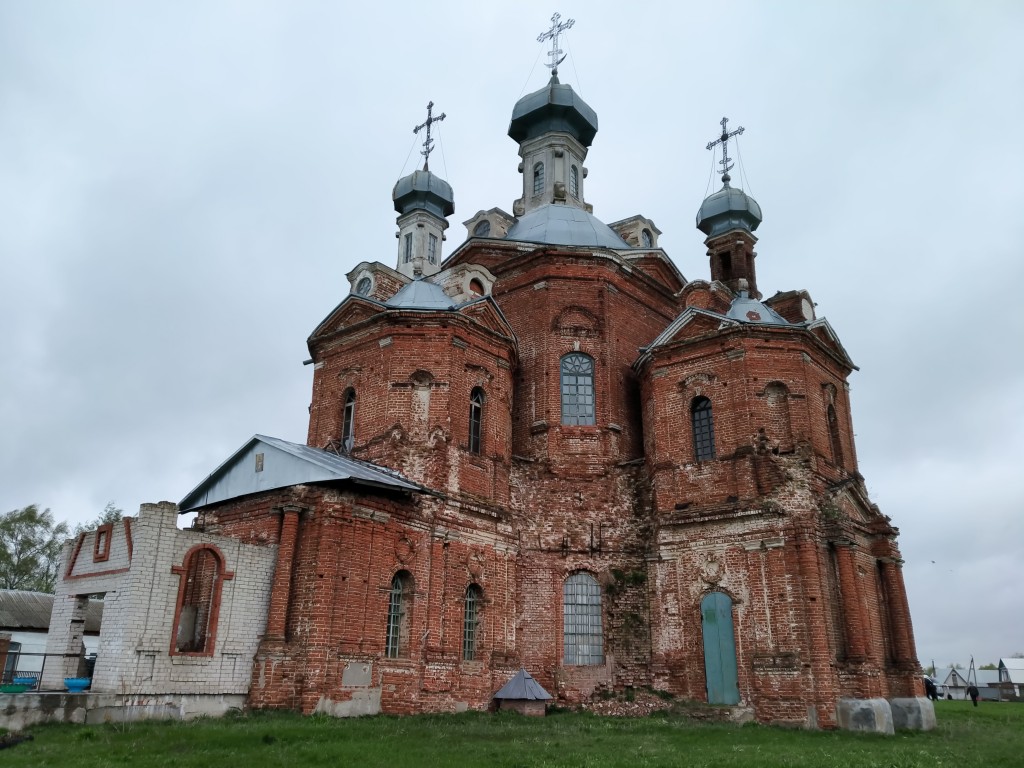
{"x": 719, "y": 649}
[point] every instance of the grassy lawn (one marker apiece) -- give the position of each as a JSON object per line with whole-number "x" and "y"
{"x": 991, "y": 735}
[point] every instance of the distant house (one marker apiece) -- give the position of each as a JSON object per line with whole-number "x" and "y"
{"x": 1011, "y": 677}
{"x": 25, "y": 616}
{"x": 951, "y": 682}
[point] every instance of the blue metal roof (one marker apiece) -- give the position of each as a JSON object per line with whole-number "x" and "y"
{"x": 522, "y": 686}
{"x": 284, "y": 464}
{"x": 421, "y": 294}
{"x": 748, "y": 310}
{"x": 555, "y": 224}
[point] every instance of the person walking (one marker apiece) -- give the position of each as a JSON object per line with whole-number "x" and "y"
{"x": 972, "y": 691}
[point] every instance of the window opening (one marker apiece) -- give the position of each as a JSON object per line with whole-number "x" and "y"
{"x": 471, "y": 622}
{"x": 476, "y": 415}
{"x": 408, "y": 247}
{"x": 432, "y": 249}
{"x": 703, "y": 429}
{"x": 581, "y": 609}
{"x": 482, "y": 229}
{"x": 538, "y": 178}
{"x": 574, "y": 181}
{"x": 834, "y": 438}
{"x": 399, "y": 600}
{"x": 646, "y": 239}
{"x": 201, "y": 575}
{"x": 578, "y": 389}
{"x": 348, "y": 421}
{"x": 363, "y": 286}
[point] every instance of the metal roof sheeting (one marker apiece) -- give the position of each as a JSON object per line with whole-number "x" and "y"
{"x": 522, "y": 686}
{"x": 565, "y": 225}
{"x": 421, "y": 294}
{"x": 24, "y": 610}
{"x": 284, "y": 464}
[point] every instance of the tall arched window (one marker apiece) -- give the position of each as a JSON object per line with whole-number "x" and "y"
{"x": 583, "y": 639}
{"x": 833, "y": 436}
{"x": 201, "y": 576}
{"x": 574, "y": 181}
{"x": 471, "y": 621}
{"x": 476, "y": 418}
{"x": 396, "y": 643}
{"x": 348, "y": 420}
{"x": 578, "y": 389}
{"x": 538, "y": 178}
{"x": 703, "y": 429}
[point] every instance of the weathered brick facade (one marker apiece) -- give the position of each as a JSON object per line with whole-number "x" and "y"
{"x": 693, "y": 484}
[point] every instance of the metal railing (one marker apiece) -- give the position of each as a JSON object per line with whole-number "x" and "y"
{"x": 26, "y": 668}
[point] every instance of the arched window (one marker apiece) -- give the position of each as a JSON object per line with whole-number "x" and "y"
{"x": 833, "y": 436}
{"x": 574, "y": 181}
{"x": 471, "y": 621}
{"x": 201, "y": 576}
{"x": 703, "y": 429}
{"x": 348, "y": 420}
{"x": 538, "y": 178}
{"x": 578, "y": 389}
{"x": 476, "y": 417}
{"x": 396, "y": 643}
{"x": 646, "y": 239}
{"x": 482, "y": 229}
{"x": 583, "y": 640}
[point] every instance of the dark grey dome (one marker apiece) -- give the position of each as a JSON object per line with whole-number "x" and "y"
{"x": 726, "y": 210}
{"x": 420, "y": 294}
{"x": 564, "y": 225}
{"x": 422, "y": 190}
{"x": 748, "y": 310}
{"x": 555, "y": 107}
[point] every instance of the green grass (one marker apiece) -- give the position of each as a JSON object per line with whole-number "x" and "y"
{"x": 991, "y": 735}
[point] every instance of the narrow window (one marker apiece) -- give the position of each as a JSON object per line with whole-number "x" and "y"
{"x": 482, "y": 229}
{"x": 399, "y": 602}
{"x": 348, "y": 421}
{"x": 578, "y": 389}
{"x": 703, "y": 429}
{"x": 646, "y": 239}
{"x": 538, "y": 178}
{"x": 476, "y": 417}
{"x": 201, "y": 575}
{"x": 408, "y": 248}
{"x": 432, "y": 249}
{"x": 833, "y": 436}
{"x": 581, "y": 610}
{"x": 574, "y": 181}
{"x": 471, "y": 622}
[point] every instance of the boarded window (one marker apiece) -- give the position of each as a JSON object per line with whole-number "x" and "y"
{"x": 399, "y": 616}
{"x": 476, "y": 417}
{"x": 703, "y": 429}
{"x": 581, "y": 623}
{"x": 578, "y": 389}
{"x": 471, "y": 622}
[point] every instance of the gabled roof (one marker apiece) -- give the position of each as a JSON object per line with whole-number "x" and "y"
{"x": 285, "y": 464}
{"x": 23, "y": 610}
{"x": 522, "y": 686}
{"x": 1014, "y": 669}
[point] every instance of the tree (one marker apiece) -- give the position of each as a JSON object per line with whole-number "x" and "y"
{"x": 988, "y": 666}
{"x": 30, "y": 544}
{"x": 110, "y": 514}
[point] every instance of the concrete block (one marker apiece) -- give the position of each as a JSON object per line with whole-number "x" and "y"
{"x": 913, "y": 714}
{"x": 867, "y": 715}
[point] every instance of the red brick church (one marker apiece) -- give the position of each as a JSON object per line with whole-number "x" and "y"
{"x": 548, "y": 449}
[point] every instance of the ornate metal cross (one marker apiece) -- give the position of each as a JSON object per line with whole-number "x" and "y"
{"x": 724, "y": 141}
{"x": 428, "y": 144}
{"x": 552, "y": 34}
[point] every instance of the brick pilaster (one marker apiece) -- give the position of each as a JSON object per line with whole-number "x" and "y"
{"x": 853, "y": 615}
{"x": 280, "y": 594}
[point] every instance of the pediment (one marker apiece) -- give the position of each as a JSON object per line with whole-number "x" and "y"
{"x": 486, "y": 312}
{"x": 823, "y": 332}
{"x": 655, "y": 267}
{"x": 351, "y": 311}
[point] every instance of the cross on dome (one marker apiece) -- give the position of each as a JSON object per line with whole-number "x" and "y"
{"x": 428, "y": 144}
{"x": 724, "y": 141}
{"x": 552, "y": 34}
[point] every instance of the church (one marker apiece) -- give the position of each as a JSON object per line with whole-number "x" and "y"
{"x": 545, "y": 450}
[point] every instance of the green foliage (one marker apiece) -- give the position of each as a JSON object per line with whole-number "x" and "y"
{"x": 110, "y": 514}
{"x": 991, "y": 735}
{"x": 30, "y": 544}
{"x": 989, "y": 666}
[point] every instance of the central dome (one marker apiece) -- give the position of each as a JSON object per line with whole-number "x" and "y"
{"x": 564, "y": 225}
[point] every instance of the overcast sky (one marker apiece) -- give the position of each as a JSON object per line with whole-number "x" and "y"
{"x": 184, "y": 185}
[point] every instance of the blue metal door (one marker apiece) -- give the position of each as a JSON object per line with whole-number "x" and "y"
{"x": 719, "y": 649}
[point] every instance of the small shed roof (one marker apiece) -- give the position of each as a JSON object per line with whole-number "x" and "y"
{"x": 522, "y": 686}
{"x": 28, "y": 611}
{"x": 1014, "y": 669}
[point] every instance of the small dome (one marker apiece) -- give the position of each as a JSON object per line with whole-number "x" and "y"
{"x": 748, "y": 310}
{"x": 424, "y": 191}
{"x": 555, "y": 107}
{"x": 420, "y": 294}
{"x": 726, "y": 210}
{"x": 564, "y": 225}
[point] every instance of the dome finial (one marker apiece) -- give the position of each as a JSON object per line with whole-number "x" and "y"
{"x": 552, "y": 34}
{"x": 428, "y": 144}
{"x": 724, "y": 141}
